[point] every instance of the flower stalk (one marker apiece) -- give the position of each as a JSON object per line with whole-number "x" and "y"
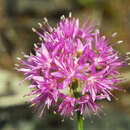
{"x": 80, "y": 121}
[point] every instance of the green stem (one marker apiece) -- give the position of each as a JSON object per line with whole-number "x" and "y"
{"x": 80, "y": 121}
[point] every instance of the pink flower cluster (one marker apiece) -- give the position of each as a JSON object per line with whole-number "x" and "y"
{"x": 73, "y": 67}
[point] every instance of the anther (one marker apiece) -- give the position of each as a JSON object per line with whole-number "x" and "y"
{"x": 70, "y": 14}
{"x": 114, "y": 34}
{"x": 32, "y": 105}
{"x": 35, "y": 45}
{"x": 16, "y": 65}
{"x": 47, "y": 33}
{"x": 18, "y": 58}
{"x": 127, "y": 53}
{"x": 54, "y": 112}
{"x": 45, "y": 39}
{"x": 62, "y": 17}
{"x": 97, "y": 31}
{"x": 34, "y": 30}
{"x": 119, "y": 42}
{"x": 54, "y": 29}
{"x": 45, "y": 20}
{"x": 40, "y": 38}
{"x": 40, "y": 25}
{"x": 128, "y": 58}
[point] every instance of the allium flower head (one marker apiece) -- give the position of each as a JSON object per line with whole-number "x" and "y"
{"x": 73, "y": 67}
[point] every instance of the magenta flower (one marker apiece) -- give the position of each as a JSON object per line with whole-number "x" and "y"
{"x": 72, "y": 68}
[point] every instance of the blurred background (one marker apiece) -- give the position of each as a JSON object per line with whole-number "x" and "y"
{"x": 17, "y": 17}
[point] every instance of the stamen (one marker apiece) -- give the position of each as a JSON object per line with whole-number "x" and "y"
{"x": 18, "y": 58}
{"x": 35, "y": 45}
{"x": 38, "y": 33}
{"x": 120, "y": 42}
{"x": 54, "y": 29}
{"x": 54, "y": 112}
{"x": 127, "y": 53}
{"x": 97, "y": 31}
{"x": 128, "y": 58}
{"x": 40, "y": 25}
{"x": 40, "y": 38}
{"x": 45, "y": 39}
{"x": 32, "y": 105}
{"x": 34, "y": 30}
{"x": 62, "y": 17}
{"x": 16, "y": 65}
{"x": 45, "y": 20}
{"x": 47, "y": 33}
{"x": 114, "y": 34}
{"x": 70, "y": 14}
